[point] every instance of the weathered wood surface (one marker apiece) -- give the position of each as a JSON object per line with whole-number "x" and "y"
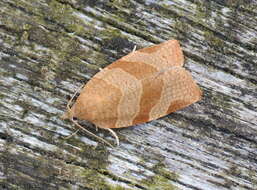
{"x": 48, "y": 48}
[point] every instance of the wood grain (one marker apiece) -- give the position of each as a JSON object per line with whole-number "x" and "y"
{"x": 49, "y": 48}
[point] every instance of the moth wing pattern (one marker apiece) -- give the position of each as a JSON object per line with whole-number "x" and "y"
{"x": 150, "y": 60}
{"x": 178, "y": 90}
{"x": 141, "y": 86}
{"x": 130, "y": 101}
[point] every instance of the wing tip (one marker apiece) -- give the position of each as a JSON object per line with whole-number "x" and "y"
{"x": 177, "y": 51}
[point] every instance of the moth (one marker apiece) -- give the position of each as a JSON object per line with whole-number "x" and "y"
{"x": 142, "y": 86}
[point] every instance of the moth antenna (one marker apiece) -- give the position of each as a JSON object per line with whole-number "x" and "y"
{"x": 134, "y": 49}
{"x": 73, "y": 96}
{"x": 115, "y": 135}
{"x": 92, "y": 134}
{"x": 67, "y": 115}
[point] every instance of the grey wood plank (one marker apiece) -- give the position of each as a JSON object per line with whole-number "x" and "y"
{"x": 48, "y": 48}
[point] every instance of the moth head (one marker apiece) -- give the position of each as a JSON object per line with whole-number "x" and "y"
{"x": 68, "y": 114}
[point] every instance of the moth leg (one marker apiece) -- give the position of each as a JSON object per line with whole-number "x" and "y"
{"x": 134, "y": 49}
{"x": 92, "y": 134}
{"x": 115, "y": 135}
{"x": 72, "y": 134}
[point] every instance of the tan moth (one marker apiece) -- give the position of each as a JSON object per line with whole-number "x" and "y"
{"x": 142, "y": 86}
